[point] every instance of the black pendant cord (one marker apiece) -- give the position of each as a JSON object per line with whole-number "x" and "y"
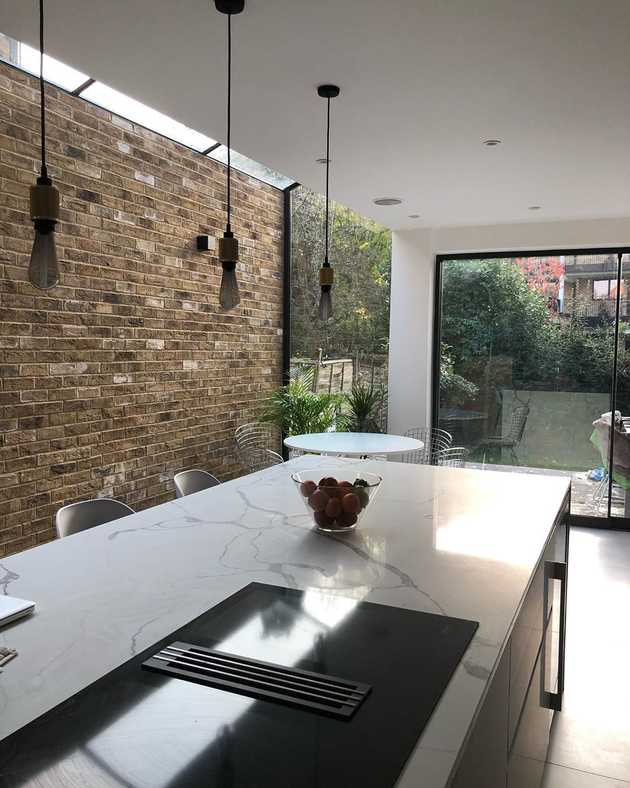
{"x": 326, "y": 263}
{"x": 229, "y": 123}
{"x": 42, "y": 95}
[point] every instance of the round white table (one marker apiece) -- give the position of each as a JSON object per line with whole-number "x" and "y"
{"x": 353, "y": 444}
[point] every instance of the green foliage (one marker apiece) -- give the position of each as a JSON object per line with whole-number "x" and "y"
{"x": 361, "y": 408}
{"x": 455, "y": 388}
{"x": 360, "y": 253}
{"x": 489, "y": 310}
{"x": 298, "y": 410}
{"x": 584, "y": 356}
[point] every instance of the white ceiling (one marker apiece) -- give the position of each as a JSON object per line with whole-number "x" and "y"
{"x": 423, "y": 83}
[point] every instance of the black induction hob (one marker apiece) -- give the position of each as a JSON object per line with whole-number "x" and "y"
{"x": 141, "y": 729}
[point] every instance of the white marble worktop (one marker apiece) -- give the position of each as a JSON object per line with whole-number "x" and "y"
{"x": 446, "y": 540}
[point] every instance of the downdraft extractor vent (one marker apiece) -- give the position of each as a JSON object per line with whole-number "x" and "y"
{"x": 264, "y": 680}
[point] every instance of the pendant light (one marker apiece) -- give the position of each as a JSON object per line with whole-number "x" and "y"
{"x": 326, "y": 273}
{"x": 229, "y": 296}
{"x": 43, "y": 270}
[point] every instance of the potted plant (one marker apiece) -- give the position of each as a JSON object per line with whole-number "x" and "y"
{"x": 298, "y": 410}
{"x": 361, "y": 407}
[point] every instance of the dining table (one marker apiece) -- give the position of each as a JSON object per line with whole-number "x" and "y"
{"x": 353, "y": 444}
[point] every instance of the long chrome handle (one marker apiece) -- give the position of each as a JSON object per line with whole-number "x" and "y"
{"x": 557, "y": 570}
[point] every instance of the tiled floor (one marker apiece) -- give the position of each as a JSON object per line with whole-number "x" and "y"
{"x": 590, "y": 742}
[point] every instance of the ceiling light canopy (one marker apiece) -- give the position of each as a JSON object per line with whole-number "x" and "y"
{"x": 387, "y": 201}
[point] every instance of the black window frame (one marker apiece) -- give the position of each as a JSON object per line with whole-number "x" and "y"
{"x": 607, "y": 522}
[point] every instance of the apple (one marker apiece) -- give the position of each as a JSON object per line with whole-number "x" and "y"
{"x": 351, "y": 503}
{"x": 307, "y": 489}
{"x": 318, "y": 500}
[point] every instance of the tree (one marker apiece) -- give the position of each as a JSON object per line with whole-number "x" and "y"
{"x": 489, "y": 310}
{"x": 496, "y": 309}
{"x": 360, "y": 253}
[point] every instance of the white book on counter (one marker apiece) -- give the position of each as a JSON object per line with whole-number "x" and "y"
{"x": 12, "y": 609}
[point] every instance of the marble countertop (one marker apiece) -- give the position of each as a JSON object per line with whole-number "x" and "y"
{"x": 445, "y": 540}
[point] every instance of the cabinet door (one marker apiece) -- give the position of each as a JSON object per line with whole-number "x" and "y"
{"x": 527, "y": 635}
{"x": 484, "y": 763}
{"x": 529, "y": 752}
{"x": 556, "y": 578}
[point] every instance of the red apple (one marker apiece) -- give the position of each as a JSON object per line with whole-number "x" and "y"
{"x": 307, "y": 488}
{"x": 333, "y": 508}
{"x": 346, "y": 519}
{"x": 322, "y": 519}
{"x": 318, "y": 500}
{"x": 351, "y": 503}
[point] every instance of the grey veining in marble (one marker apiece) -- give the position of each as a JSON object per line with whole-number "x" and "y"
{"x": 453, "y": 541}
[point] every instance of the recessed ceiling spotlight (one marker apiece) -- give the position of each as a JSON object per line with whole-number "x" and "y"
{"x": 387, "y": 201}
{"x": 491, "y": 143}
{"x": 322, "y": 160}
{"x": 533, "y": 208}
{"x": 414, "y": 215}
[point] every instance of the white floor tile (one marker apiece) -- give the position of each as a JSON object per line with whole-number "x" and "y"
{"x": 592, "y": 733}
{"x": 561, "y": 777}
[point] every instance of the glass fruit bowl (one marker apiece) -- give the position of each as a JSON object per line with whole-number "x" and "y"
{"x": 336, "y": 498}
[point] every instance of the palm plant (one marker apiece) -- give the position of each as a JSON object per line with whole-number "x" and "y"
{"x": 362, "y": 405}
{"x": 298, "y": 410}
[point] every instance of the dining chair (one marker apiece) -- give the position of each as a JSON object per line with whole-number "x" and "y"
{"x": 254, "y": 444}
{"x": 80, "y": 516}
{"x": 453, "y": 457}
{"x": 192, "y": 481}
{"x": 434, "y": 439}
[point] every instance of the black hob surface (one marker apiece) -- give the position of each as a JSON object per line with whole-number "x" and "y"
{"x": 142, "y": 729}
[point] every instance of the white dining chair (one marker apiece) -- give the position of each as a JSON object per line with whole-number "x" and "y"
{"x": 80, "y": 516}
{"x": 192, "y": 481}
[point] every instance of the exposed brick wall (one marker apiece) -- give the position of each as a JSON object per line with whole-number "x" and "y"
{"x": 128, "y": 371}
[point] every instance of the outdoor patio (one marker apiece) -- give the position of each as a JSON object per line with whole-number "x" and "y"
{"x": 586, "y": 497}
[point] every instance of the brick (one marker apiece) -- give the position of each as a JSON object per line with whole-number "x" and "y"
{"x": 128, "y": 371}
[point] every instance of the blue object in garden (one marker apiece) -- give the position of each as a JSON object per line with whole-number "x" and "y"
{"x": 597, "y": 474}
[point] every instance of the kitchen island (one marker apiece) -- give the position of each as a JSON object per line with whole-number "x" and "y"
{"x": 475, "y": 545}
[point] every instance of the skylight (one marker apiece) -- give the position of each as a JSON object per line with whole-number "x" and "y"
{"x": 56, "y": 72}
{"x": 27, "y": 58}
{"x": 251, "y": 167}
{"x": 133, "y": 110}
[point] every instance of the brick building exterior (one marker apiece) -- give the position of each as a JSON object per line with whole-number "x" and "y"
{"x": 128, "y": 371}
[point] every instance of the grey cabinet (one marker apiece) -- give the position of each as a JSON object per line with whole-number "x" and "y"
{"x": 484, "y": 761}
{"x": 529, "y": 750}
{"x": 509, "y": 741}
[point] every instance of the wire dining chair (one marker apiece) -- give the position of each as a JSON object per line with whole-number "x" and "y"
{"x": 454, "y": 457}
{"x": 256, "y": 446}
{"x": 435, "y": 440}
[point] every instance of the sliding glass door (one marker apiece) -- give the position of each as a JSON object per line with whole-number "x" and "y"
{"x": 532, "y": 353}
